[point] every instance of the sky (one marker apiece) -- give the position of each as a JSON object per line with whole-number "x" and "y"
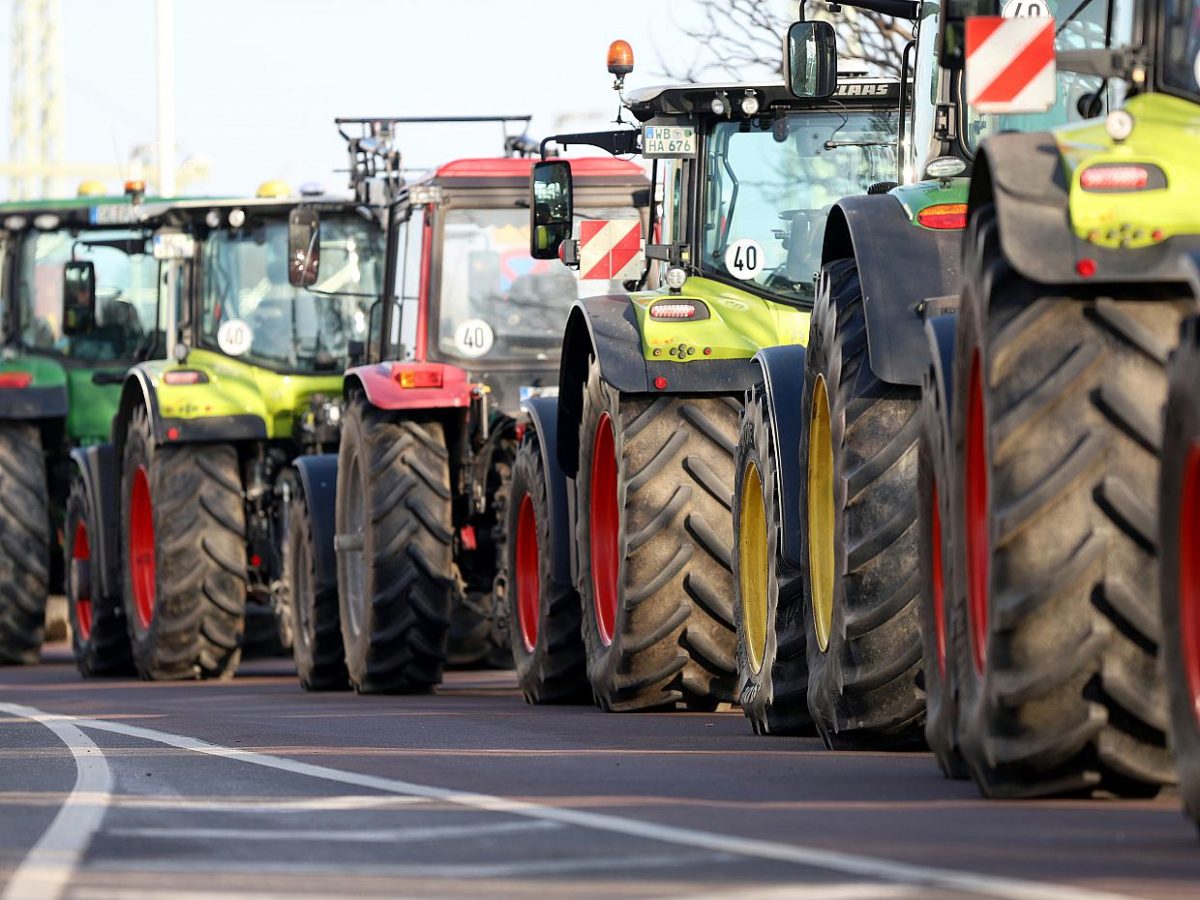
{"x": 258, "y": 82}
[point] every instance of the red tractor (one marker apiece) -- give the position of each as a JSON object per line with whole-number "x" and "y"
{"x": 394, "y": 542}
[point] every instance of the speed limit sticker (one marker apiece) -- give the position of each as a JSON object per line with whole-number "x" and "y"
{"x": 744, "y": 259}
{"x": 234, "y": 337}
{"x": 1025, "y": 9}
{"x": 474, "y": 337}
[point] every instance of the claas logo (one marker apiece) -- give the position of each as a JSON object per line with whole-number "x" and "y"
{"x": 865, "y": 90}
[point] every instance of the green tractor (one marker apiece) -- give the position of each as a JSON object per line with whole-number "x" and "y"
{"x": 183, "y": 514}
{"x": 80, "y": 298}
{"x": 620, "y": 523}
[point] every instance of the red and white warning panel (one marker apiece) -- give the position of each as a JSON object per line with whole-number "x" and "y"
{"x": 610, "y": 249}
{"x": 1010, "y": 64}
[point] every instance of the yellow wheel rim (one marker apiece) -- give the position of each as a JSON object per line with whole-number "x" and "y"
{"x": 752, "y": 568}
{"x": 820, "y": 515}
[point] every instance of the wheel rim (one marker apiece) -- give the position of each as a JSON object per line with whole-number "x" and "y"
{"x": 1189, "y": 576}
{"x": 820, "y": 515}
{"x": 143, "y": 572}
{"x": 81, "y": 555}
{"x": 356, "y": 600}
{"x": 937, "y": 584}
{"x": 752, "y": 565}
{"x": 605, "y": 522}
{"x": 977, "y": 536}
{"x": 528, "y": 581}
{"x": 302, "y": 591}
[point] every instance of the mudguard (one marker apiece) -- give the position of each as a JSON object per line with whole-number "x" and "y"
{"x": 939, "y": 337}
{"x": 34, "y": 402}
{"x": 318, "y": 480}
{"x": 900, "y": 266}
{"x": 543, "y": 421}
{"x": 380, "y": 383}
{"x": 1024, "y": 176}
{"x": 783, "y": 378}
{"x": 97, "y": 467}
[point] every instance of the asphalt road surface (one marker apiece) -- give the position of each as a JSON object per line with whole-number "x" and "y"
{"x": 121, "y": 789}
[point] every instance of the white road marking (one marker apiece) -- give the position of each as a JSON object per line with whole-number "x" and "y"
{"x": 47, "y": 868}
{"x": 347, "y": 836}
{"x": 797, "y": 854}
{"x": 347, "y": 803}
{"x": 857, "y": 890}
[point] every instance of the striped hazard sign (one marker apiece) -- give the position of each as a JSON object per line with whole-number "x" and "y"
{"x": 1010, "y": 64}
{"x": 610, "y": 249}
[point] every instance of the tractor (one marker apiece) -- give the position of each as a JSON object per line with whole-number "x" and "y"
{"x": 80, "y": 287}
{"x": 620, "y": 523}
{"x": 396, "y": 538}
{"x": 176, "y": 526}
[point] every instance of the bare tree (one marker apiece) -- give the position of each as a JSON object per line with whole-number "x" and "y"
{"x": 740, "y": 39}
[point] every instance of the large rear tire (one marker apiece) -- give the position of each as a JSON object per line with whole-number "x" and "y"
{"x": 544, "y": 614}
{"x": 316, "y": 621}
{"x": 654, "y": 534}
{"x": 184, "y": 564}
{"x": 859, "y": 532}
{"x": 99, "y": 635}
{"x": 1058, "y": 398}
{"x": 772, "y": 669}
{"x": 24, "y": 544}
{"x": 1179, "y": 572}
{"x": 395, "y": 533}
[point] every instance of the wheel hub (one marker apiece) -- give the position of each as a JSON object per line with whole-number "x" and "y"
{"x": 604, "y": 519}
{"x": 1189, "y": 576}
{"x": 528, "y": 582}
{"x": 977, "y": 531}
{"x": 753, "y": 574}
{"x": 821, "y": 515}
{"x": 81, "y": 581}
{"x": 937, "y": 585}
{"x": 143, "y": 572}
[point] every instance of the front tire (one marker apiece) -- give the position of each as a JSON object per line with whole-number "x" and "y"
{"x": 859, "y": 532}
{"x": 24, "y": 544}
{"x": 185, "y": 556}
{"x": 316, "y": 621}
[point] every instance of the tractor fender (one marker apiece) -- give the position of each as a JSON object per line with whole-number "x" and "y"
{"x": 34, "y": 402}
{"x": 97, "y": 466}
{"x": 1023, "y": 175}
{"x": 380, "y": 384}
{"x": 900, "y": 267}
{"x": 783, "y": 381}
{"x": 137, "y": 390}
{"x": 318, "y": 481}
{"x": 542, "y": 427}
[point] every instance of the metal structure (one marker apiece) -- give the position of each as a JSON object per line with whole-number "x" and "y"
{"x": 35, "y": 125}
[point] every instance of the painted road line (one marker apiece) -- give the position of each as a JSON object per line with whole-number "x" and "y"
{"x": 346, "y": 836}
{"x": 348, "y": 803}
{"x": 47, "y": 868}
{"x": 798, "y": 854}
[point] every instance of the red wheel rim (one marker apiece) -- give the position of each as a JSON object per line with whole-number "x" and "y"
{"x": 528, "y": 582}
{"x": 938, "y": 585}
{"x": 605, "y": 521}
{"x": 1189, "y": 576}
{"x": 81, "y": 552}
{"x": 977, "y": 530}
{"x": 141, "y": 547}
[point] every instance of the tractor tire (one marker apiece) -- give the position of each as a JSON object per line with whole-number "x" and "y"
{"x": 544, "y": 614}
{"x": 99, "y": 635}
{"x": 24, "y": 544}
{"x": 1179, "y": 569}
{"x": 316, "y": 621}
{"x": 654, "y": 537}
{"x": 772, "y": 669}
{"x": 184, "y": 565}
{"x": 859, "y": 532}
{"x": 472, "y": 643}
{"x": 938, "y": 528}
{"x": 1058, "y": 395}
{"x": 395, "y": 537}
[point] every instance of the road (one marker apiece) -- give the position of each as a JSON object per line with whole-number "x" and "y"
{"x": 122, "y": 789}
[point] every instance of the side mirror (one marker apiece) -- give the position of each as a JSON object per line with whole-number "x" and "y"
{"x": 79, "y": 297}
{"x": 952, "y": 39}
{"x": 550, "y": 212}
{"x": 304, "y": 243}
{"x": 811, "y": 69}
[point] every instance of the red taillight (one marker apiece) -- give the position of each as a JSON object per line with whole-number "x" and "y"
{"x": 660, "y": 383}
{"x": 419, "y": 378}
{"x": 185, "y": 376}
{"x": 1114, "y": 178}
{"x": 15, "y": 379}
{"x": 1086, "y": 267}
{"x": 944, "y": 216}
{"x": 673, "y": 311}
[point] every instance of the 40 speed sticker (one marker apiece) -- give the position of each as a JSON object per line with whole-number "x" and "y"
{"x": 473, "y": 338}
{"x": 744, "y": 259}
{"x": 234, "y": 337}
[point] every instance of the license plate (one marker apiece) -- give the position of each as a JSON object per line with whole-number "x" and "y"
{"x": 113, "y": 214}
{"x": 668, "y": 141}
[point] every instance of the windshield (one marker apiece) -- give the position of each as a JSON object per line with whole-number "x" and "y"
{"x": 126, "y": 294}
{"x": 1078, "y": 25}
{"x": 251, "y": 312}
{"x": 770, "y": 189}
{"x": 1181, "y": 50}
{"x": 496, "y": 300}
